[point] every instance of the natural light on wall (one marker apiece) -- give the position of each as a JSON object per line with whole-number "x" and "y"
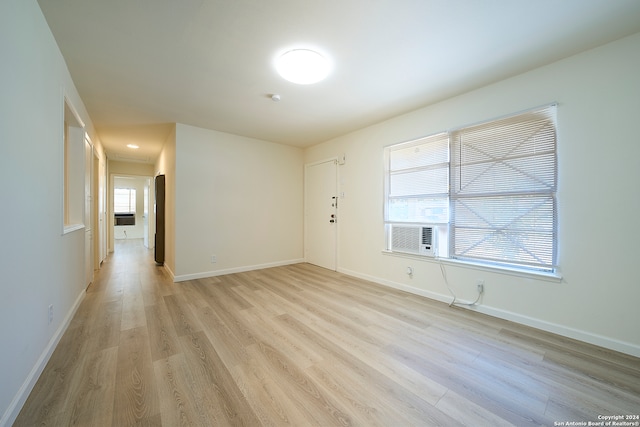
{"x": 303, "y": 66}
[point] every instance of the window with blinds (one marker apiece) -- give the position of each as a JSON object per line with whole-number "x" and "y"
{"x": 124, "y": 200}
{"x": 493, "y": 184}
{"x": 417, "y": 187}
{"x": 503, "y": 185}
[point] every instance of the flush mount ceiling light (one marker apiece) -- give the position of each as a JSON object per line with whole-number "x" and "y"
{"x": 133, "y": 146}
{"x": 302, "y": 66}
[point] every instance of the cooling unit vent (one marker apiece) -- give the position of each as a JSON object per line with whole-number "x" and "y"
{"x": 413, "y": 239}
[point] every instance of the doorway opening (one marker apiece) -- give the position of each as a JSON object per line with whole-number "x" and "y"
{"x": 132, "y": 215}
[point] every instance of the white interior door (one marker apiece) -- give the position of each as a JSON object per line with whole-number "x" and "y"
{"x": 88, "y": 212}
{"x": 95, "y": 210}
{"x": 321, "y": 211}
{"x": 102, "y": 210}
{"x": 145, "y": 214}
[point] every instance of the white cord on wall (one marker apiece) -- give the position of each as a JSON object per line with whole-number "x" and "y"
{"x": 454, "y": 302}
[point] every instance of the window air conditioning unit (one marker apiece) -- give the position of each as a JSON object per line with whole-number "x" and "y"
{"x": 125, "y": 219}
{"x": 414, "y": 239}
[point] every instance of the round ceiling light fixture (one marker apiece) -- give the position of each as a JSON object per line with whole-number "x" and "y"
{"x": 303, "y": 66}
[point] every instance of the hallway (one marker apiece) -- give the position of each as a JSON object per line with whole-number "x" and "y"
{"x": 104, "y": 348}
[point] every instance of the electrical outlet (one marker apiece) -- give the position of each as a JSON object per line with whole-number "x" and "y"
{"x": 50, "y": 313}
{"x": 480, "y": 285}
{"x": 214, "y": 259}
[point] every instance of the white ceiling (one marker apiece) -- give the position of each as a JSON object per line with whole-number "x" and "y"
{"x": 141, "y": 64}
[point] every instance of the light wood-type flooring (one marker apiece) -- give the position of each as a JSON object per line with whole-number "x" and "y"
{"x": 303, "y": 346}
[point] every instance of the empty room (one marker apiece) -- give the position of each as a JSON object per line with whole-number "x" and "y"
{"x": 354, "y": 213}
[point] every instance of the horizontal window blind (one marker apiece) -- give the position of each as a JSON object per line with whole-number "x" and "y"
{"x": 124, "y": 200}
{"x": 417, "y": 181}
{"x": 503, "y": 177}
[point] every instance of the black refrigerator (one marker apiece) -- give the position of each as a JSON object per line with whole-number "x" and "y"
{"x": 159, "y": 236}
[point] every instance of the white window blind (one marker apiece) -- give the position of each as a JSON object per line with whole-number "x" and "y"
{"x": 503, "y": 182}
{"x": 417, "y": 181}
{"x": 124, "y": 200}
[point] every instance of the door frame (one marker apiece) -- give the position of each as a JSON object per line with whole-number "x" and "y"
{"x": 307, "y": 196}
{"x": 110, "y": 209}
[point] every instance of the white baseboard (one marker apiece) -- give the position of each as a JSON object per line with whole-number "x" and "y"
{"x": 580, "y": 335}
{"x": 171, "y": 274}
{"x": 20, "y": 398}
{"x": 213, "y": 273}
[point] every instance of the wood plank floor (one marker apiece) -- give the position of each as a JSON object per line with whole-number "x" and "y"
{"x": 303, "y": 346}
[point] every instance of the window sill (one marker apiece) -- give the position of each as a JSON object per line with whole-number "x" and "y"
{"x": 540, "y": 275}
{"x": 71, "y": 228}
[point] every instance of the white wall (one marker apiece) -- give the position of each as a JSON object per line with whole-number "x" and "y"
{"x": 238, "y": 198}
{"x": 40, "y": 266}
{"x": 598, "y": 93}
